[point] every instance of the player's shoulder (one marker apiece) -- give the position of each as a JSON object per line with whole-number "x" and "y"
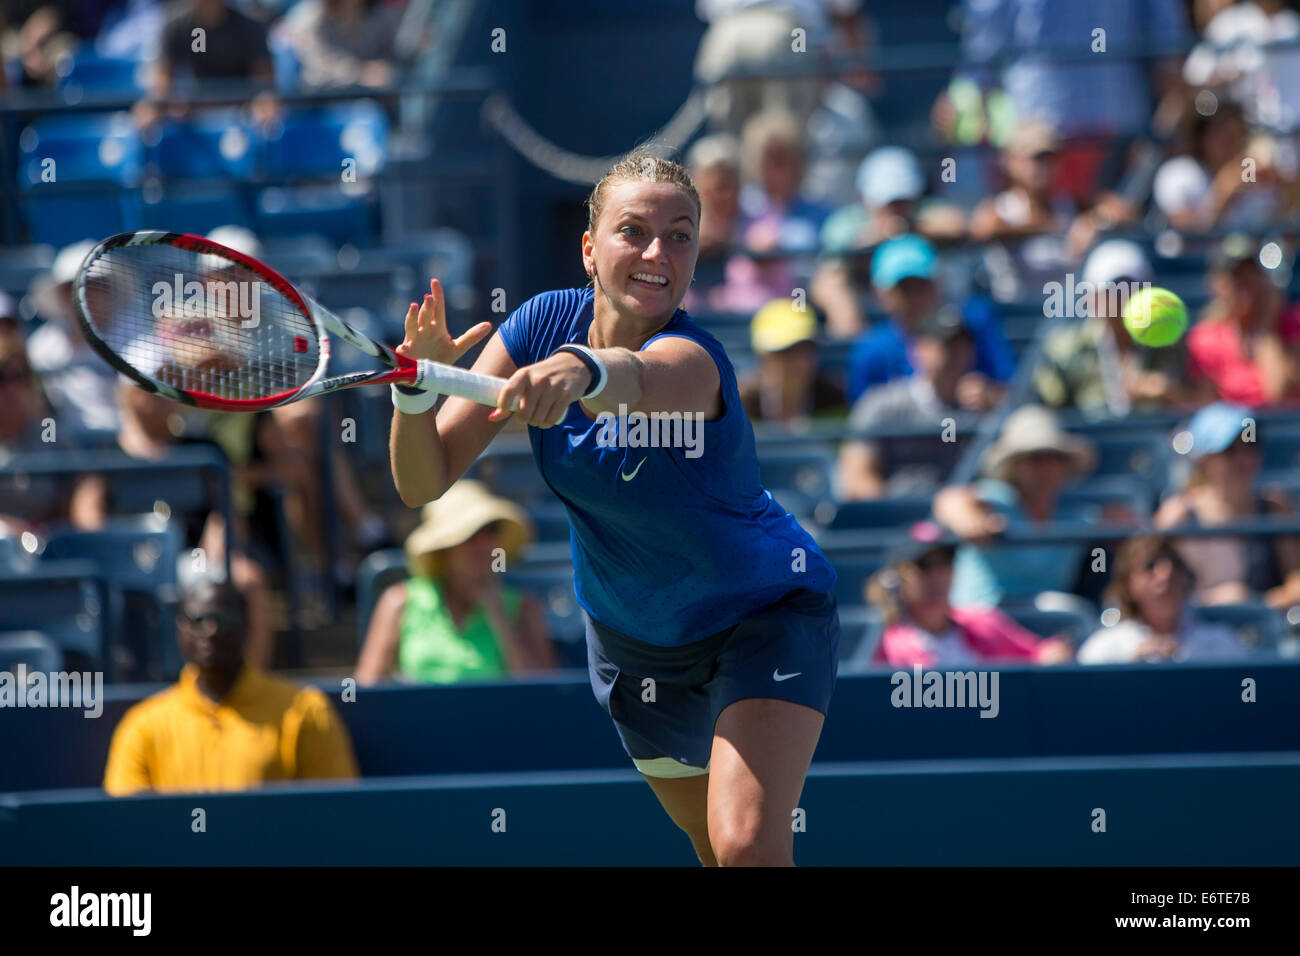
{"x": 557, "y": 303}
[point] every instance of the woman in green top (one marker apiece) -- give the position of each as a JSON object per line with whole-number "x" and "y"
{"x": 453, "y": 620}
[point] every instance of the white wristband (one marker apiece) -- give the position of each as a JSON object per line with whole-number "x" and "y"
{"x": 601, "y": 373}
{"x": 413, "y": 404}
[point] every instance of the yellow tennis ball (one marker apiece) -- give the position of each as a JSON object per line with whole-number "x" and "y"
{"x": 1155, "y": 317}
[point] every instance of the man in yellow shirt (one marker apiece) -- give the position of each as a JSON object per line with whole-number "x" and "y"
{"x": 225, "y": 725}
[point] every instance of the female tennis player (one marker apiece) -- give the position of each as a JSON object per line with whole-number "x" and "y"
{"x": 712, "y": 630}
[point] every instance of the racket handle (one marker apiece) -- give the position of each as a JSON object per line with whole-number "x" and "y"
{"x": 450, "y": 380}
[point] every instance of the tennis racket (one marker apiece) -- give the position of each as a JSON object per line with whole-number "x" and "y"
{"x": 198, "y": 323}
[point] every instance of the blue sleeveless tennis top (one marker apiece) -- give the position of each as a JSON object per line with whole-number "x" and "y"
{"x": 670, "y": 544}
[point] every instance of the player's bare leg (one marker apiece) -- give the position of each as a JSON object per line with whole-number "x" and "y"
{"x": 686, "y": 800}
{"x": 761, "y": 752}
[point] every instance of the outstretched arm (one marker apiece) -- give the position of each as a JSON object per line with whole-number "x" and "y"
{"x": 673, "y": 374}
{"x": 429, "y": 452}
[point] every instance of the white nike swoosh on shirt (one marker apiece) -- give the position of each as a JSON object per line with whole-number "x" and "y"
{"x": 627, "y": 477}
{"x": 576, "y": 440}
{"x": 778, "y": 676}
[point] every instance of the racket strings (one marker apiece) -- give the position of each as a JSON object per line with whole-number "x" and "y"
{"x": 199, "y": 322}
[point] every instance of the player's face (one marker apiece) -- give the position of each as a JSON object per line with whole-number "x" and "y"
{"x": 644, "y": 248}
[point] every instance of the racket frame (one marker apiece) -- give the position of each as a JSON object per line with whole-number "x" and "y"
{"x": 417, "y": 373}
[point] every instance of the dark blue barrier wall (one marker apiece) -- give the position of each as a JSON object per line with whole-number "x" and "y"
{"x": 550, "y": 725}
{"x": 1180, "y": 811}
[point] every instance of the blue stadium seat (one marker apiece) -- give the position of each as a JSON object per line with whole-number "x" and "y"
{"x": 553, "y": 587}
{"x": 1142, "y": 456}
{"x": 1072, "y": 625}
{"x": 1279, "y": 449}
{"x": 852, "y": 574}
{"x": 135, "y": 553}
{"x": 65, "y": 601}
{"x": 85, "y": 148}
{"x": 10, "y": 554}
{"x": 514, "y": 476}
{"x": 550, "y": 521}
{"x": 861, "y": 627}
{"x": 799, "y": 481}
{"x": 138, "y": 558}
{"x": 19, "y": 265}
{"x": 218, "y": 145}
{"x": 891, "y": 514}
{"x": 326, "y": 210}
{"x": 140, "y": 490}
{"x": 65, "y": 162}
{"x": 369, "y": 289}
{"x": 1257, "y": 625}
{"x": 194, "y": 209}
{"x": 377, "y": 571}
{"x": 76, "y": 214}
{"x": 1111, "y": 491}
{"x": 30, "y": 648}
{"x": 107, "y": 75}
{"x": 315, "y": 143}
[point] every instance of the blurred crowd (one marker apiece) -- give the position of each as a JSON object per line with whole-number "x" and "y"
{"x": 309, "y": 44}
{"x": 1160, "y": 150}
{"x": 879, "y": 288}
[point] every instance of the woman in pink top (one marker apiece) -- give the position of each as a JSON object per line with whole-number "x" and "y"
{"x": 923, "y": 629}
{"x": 1246, "y": 348}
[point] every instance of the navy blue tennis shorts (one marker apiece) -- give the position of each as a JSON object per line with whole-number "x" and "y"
{"x": 787, "y": 651}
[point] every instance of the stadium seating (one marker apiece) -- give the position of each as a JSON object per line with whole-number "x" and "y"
{"x": 32, "y": 649}
{"x": 106, "y": 76}
{"x": 799, "y": 481}
{"x": 1145, "y": 457}
{"x": 1071, "y": 625}
{"x": 138, "y": 559}
{"x": 213, "y": 144}
{"x": 1256, "y": 624}
{"x": 78, "y": 176}
{"x": 889, "y": 516}
{"x": 66, "y": 601}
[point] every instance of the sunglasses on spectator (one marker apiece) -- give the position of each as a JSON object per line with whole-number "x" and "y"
{"x": 221, "y": 623}
{"x": 935, "y": 560}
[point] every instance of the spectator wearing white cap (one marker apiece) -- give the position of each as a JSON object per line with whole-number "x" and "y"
{"x": 78, "y": 383}
{"x": 892, "y": 202}
{"x": 1092, "y": 363}
{"x": 1203, "y": 188}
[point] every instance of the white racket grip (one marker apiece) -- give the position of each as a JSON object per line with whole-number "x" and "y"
{"x": 450, "y": 380}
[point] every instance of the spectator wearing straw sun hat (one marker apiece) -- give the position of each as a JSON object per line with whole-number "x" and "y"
{"x": 786, "y": 387}
{"x": 1026, "y": 468}
{"x": 453, "y": 620}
